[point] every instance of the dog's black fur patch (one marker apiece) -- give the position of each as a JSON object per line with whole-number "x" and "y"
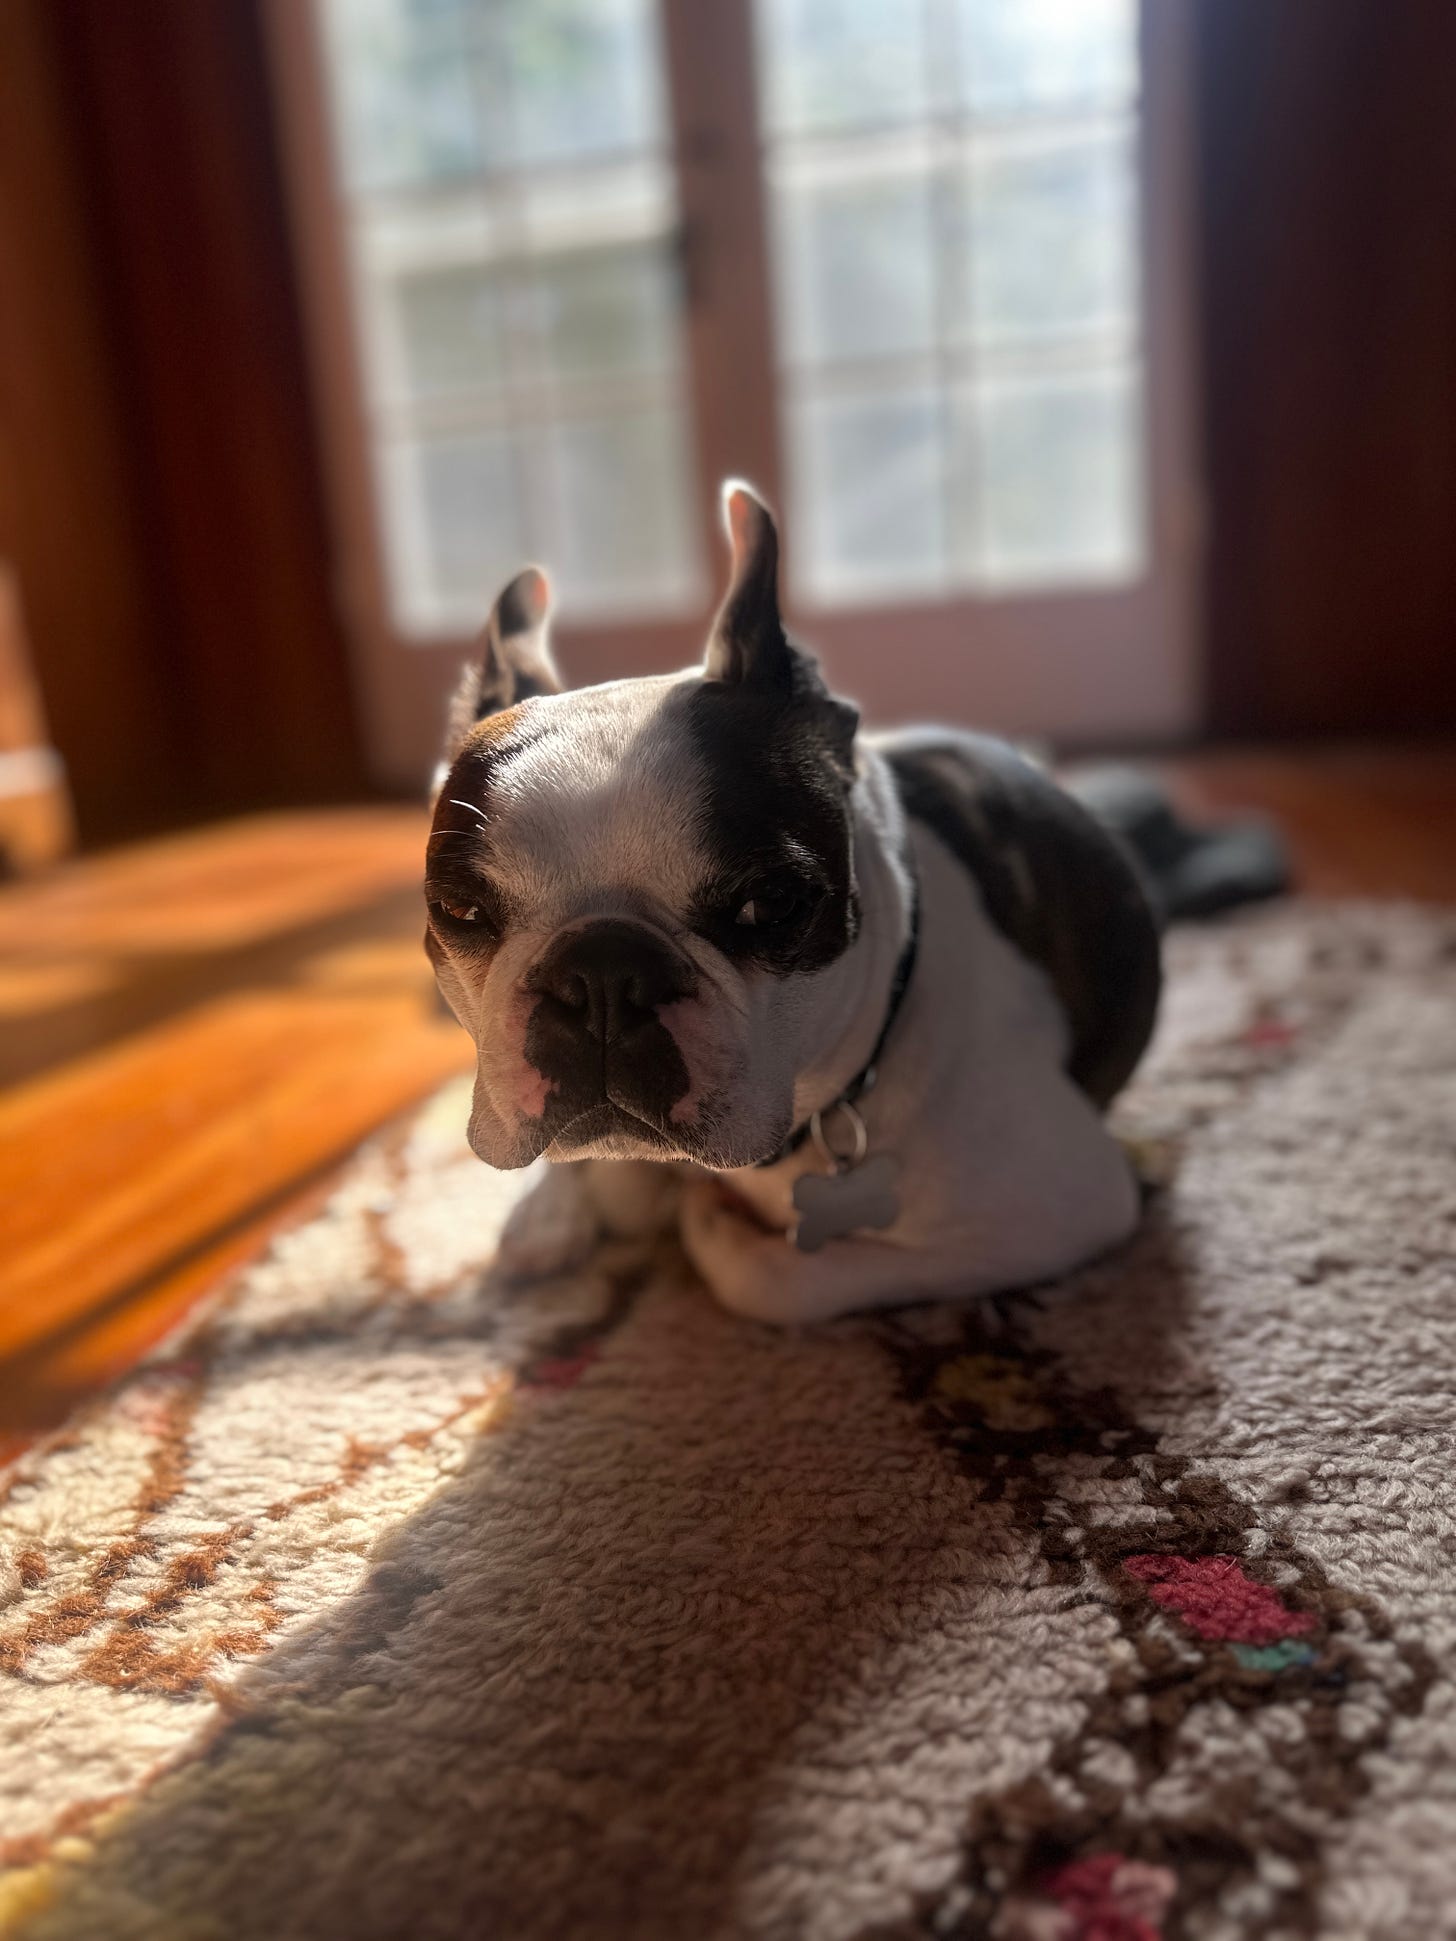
{"x": 779, "y": 769}
{"x": 1054, "y": 882}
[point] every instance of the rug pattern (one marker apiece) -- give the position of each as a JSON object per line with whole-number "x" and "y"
{"x": 387, "y": 1602}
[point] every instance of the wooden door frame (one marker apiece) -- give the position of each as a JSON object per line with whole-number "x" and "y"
{"x": 1003, "y": 662}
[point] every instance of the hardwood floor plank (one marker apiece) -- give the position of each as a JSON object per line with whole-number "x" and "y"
{"x": 216, "y": 887}
{"x": 1360, "y": 821}
{"x": 206, "y": 1024}
{"x": 143, "y": 1151}
{"x": 123, "y": 941}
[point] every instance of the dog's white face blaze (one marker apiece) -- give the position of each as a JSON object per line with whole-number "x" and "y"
{"x": 593, "y": 806}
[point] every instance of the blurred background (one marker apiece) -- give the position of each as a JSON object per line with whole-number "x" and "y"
{"x": 1100, "y": 358}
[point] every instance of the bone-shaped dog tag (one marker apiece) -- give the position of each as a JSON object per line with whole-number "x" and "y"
{"x": 831, "y": 1205}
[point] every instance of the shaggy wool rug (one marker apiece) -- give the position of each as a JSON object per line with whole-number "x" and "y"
{"x": 389, "y": 1603}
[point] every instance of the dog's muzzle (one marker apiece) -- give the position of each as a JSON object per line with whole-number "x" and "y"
{"x": 596, "y": 1033}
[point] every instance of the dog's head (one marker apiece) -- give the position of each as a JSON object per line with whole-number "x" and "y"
{"x": 637, "y": 890}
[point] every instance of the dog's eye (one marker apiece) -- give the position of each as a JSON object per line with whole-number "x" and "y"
{"x": 455, "y": 913}
{"x": 770, "y": 905}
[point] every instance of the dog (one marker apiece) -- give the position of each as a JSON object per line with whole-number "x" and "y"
{"x": 849, "y": 1007}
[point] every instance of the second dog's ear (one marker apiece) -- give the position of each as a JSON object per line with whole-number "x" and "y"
{"x": 515, "y": 658}
{"x": 747, "y": 645}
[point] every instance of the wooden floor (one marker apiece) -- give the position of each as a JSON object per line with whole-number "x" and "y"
{"x": 195, "y": 1032}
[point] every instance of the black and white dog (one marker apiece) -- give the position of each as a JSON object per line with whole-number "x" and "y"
{"x": 875, "y": 992}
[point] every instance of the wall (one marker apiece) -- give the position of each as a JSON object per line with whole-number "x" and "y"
{"x": 1327, "y": 244}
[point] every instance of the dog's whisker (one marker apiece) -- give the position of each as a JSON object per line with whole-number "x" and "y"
{"x": 456, "y": 803}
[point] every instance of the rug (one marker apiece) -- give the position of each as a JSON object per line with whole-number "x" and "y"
{"x": 387, "y": 1602}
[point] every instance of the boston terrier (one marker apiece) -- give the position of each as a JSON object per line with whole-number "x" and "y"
{"x": 849, "y": 1008}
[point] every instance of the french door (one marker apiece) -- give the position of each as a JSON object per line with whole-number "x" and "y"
{"x": 914, "y": 267}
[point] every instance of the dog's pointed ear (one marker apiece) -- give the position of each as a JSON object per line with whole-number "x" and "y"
{"x": 747, "y": 645}
{"x": 514, "y": 661}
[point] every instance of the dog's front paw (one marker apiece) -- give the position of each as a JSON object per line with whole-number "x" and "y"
{"x": 553, "y": 1229}
{"x": 761, "y": 1274}
{"x": 747, "y": 1268}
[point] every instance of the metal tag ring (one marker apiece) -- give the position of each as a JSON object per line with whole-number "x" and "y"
{"x": 839, "y": 1162}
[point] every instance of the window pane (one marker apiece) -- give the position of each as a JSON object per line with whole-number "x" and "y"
{"x": 415, "y": 122}
{"x": 430, "y": 91}
{"x": 954, "y": 200}
{"x": 606, "y": 311}
{"x": 519, "y": 307}
{"x": 623, "y": 540}
{"x": 867, "y": 505}
{"x": 414, "y": 99}
{"x": 1019, "y": 54}
{"x": 452, "y": 331}
{"x": 1059, "y": 478}
{"x": 451, "y": 515}
{"x": 855, "y": 263}
{"x": 585, "y": 78}
{"x": 841, "y": 63}
{"x": 1051, "y": 235}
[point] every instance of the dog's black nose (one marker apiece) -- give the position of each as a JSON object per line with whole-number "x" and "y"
{"x": 595, "y": 1033}
{"x": 607, "y": 980}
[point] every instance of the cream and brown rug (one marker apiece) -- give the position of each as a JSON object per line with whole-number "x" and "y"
{"x": 386, "y": 1604}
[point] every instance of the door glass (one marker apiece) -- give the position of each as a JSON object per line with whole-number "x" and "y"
{"x": 856, "y": 258}
{"x": 953, "y": 198}
{"x": 1052, "y": 458}
{"x": 511, "y": 217}
{"x": 835, "y": 64}
{"x": 868, "y": 484}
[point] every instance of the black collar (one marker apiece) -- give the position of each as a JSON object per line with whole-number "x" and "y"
{"x": 864, "y": 1078}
